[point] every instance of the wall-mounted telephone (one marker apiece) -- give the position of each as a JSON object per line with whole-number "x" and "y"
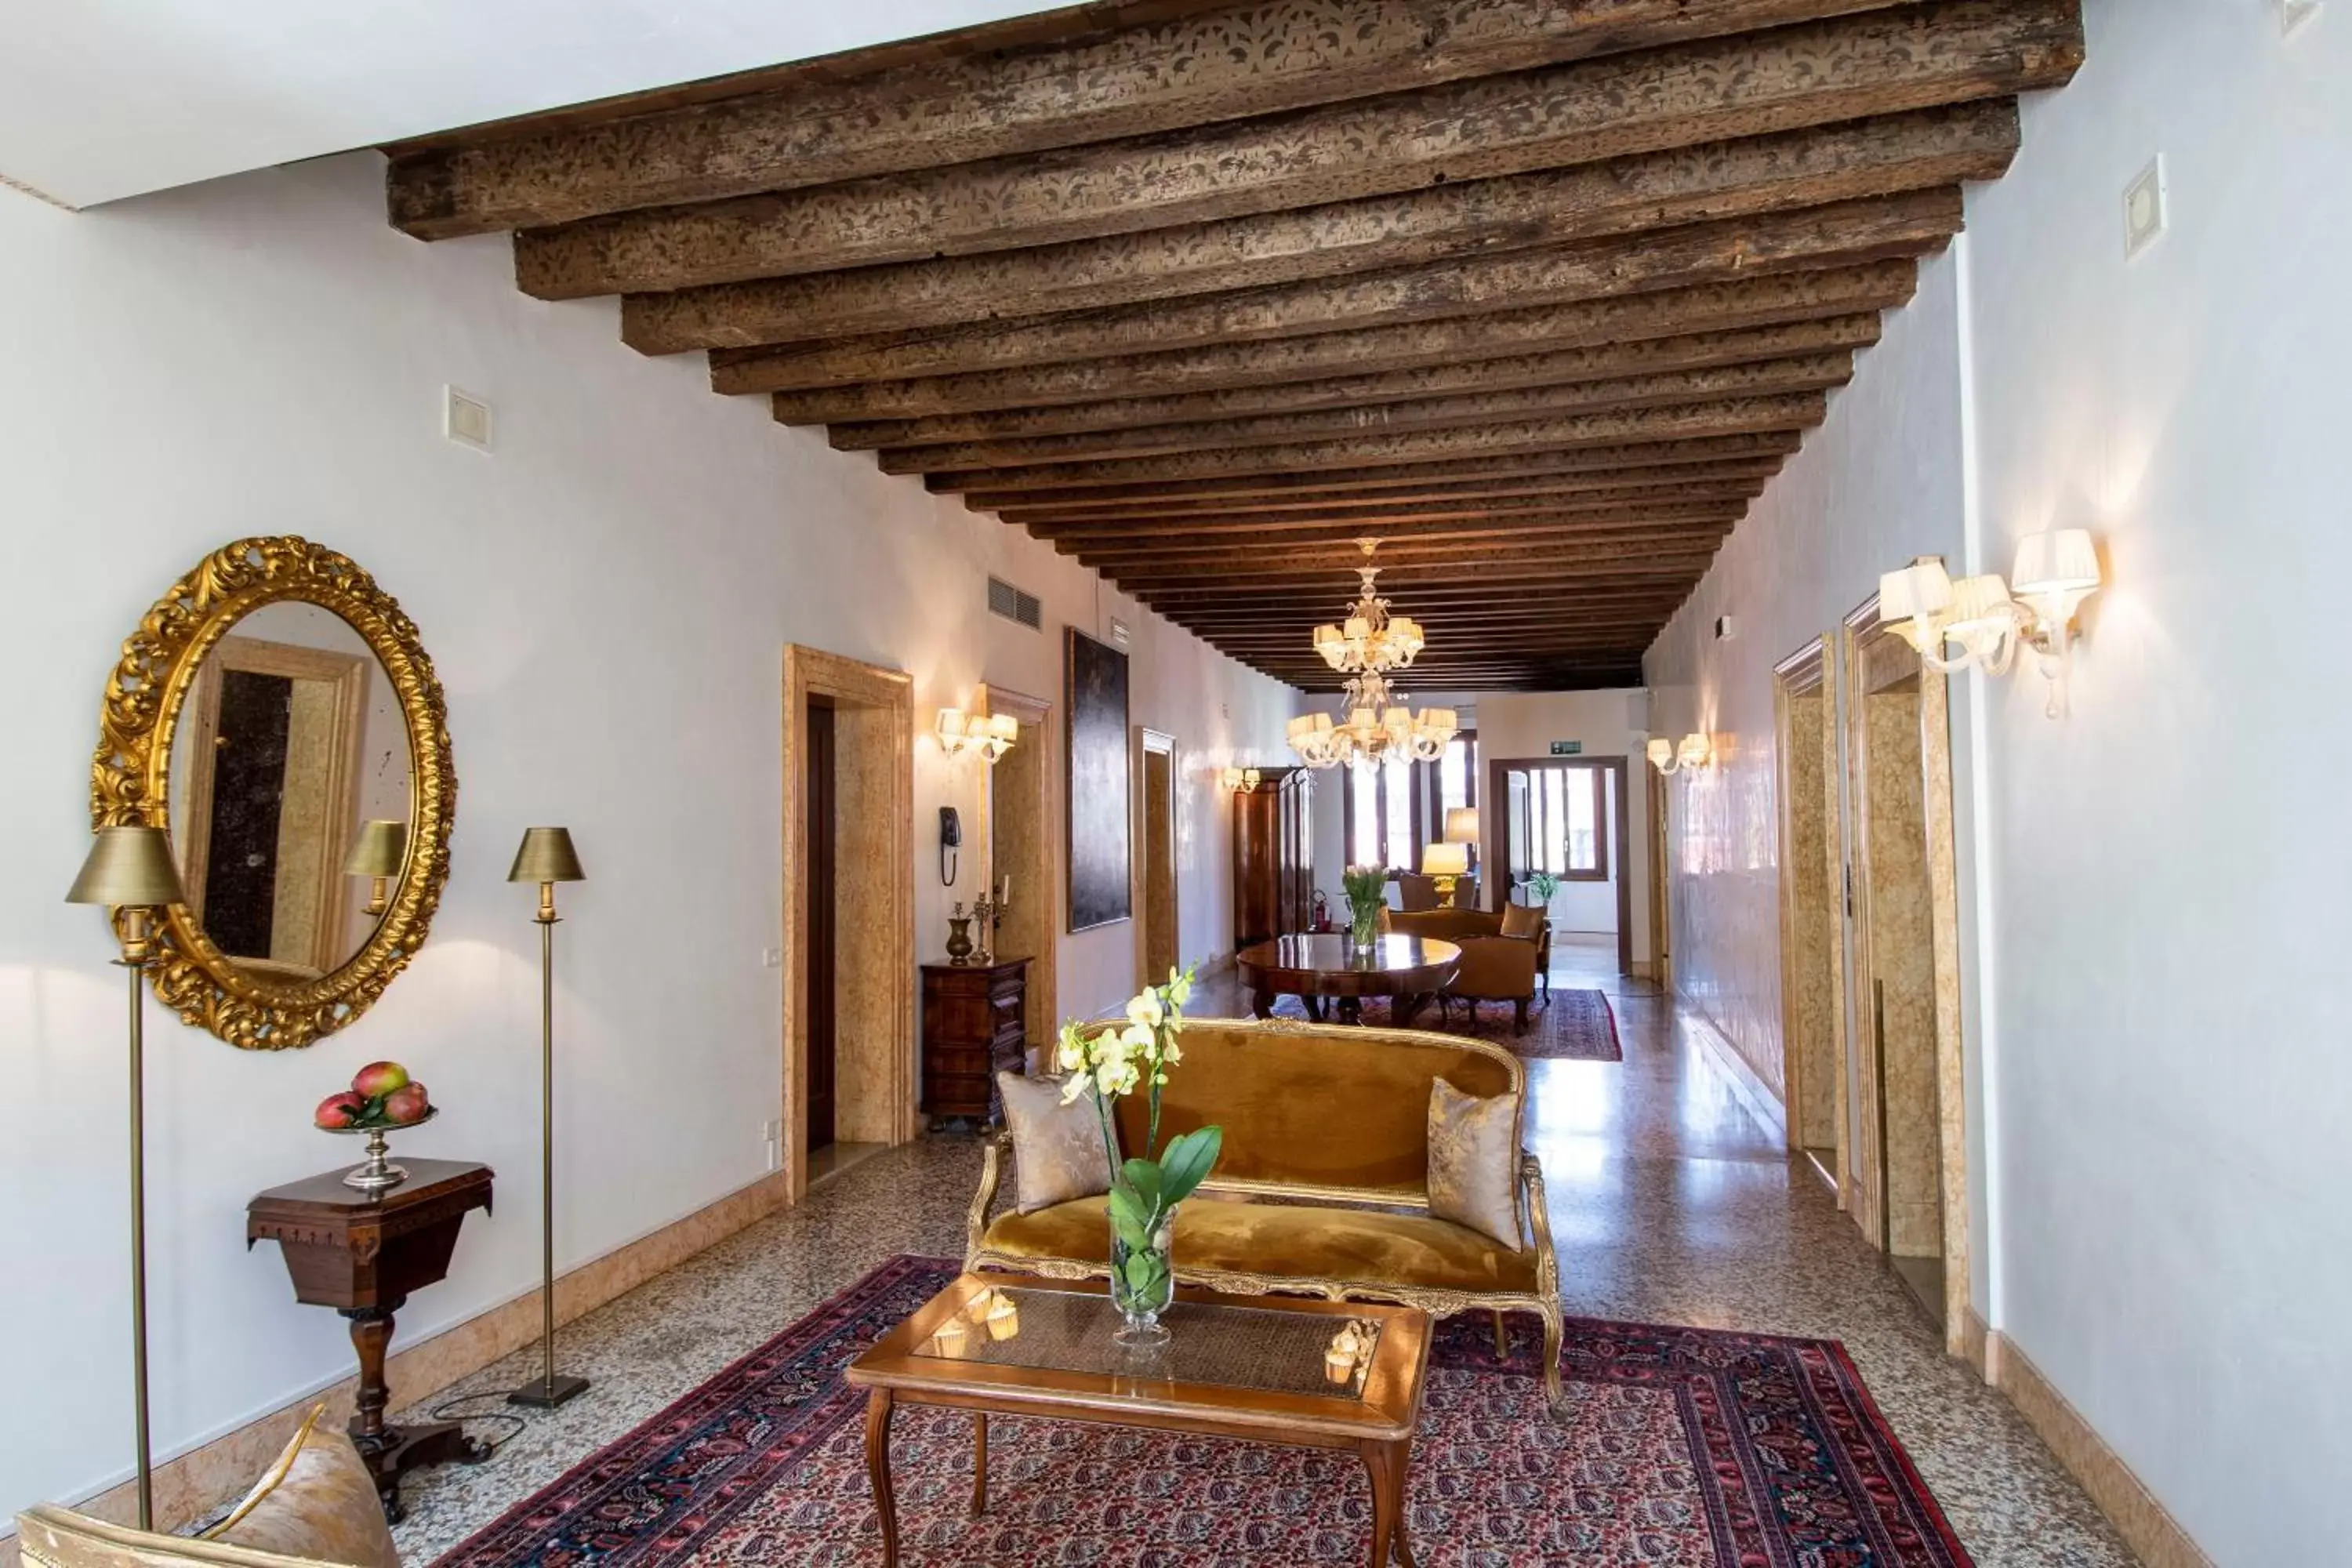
{"x": 950, "y": 840}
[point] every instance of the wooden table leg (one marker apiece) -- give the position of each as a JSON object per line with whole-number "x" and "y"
{"x": 1407, "y": 1008}
{"x": 1313, "y": 1005}
{"x": 877, "y": 1471}
{"x": 1385, "y": 1463}
{"x": 1262, "y": 1004}
{"x": 1351, "y": 1010}
{"x": 979, "y": 1463}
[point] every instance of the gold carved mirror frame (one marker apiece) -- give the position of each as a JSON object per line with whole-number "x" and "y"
{"x": 129, "y": 784}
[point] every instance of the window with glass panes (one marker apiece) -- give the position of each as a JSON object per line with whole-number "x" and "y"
{"x": 1392, "y": 810}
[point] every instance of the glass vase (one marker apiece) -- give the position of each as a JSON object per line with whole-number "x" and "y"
{"x": 1364, "y": 926}
{"x": 1142, "y": 1283}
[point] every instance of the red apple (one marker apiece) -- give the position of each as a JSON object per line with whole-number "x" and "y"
{"x": 406, "y": 1104}
{"x": 338, "y": 1110}
{"x": 377, "y": 1079}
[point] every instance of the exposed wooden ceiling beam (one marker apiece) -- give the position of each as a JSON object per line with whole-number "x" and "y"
{"x": 1189, "y": 69}
{"x": 1793, "y": 411}
{"x": 1919, "y": 150}
{"x": 1811, "y": 373}
{"x": 1843, "y": 234}
{"x": 1408, "y": 521}
{"x": 1813, "y": 74}
{"x": 1601, "y": 467}
{"x": 1621, "y": 320}
{"x": 1566, "y": 367}
{"x": 1479, "y": 541}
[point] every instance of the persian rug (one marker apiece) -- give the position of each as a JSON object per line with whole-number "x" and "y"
{"x": 1685, "y": 1448}
{"x": 1576, "y": 1026}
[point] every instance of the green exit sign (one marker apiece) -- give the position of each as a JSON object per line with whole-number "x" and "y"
{"x": 1567, "y": 748}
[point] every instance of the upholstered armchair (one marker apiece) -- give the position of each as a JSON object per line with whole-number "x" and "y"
{"x": 1494, "y": 969}
{"x": 1532, "y": 920}
{"x": 1415, "y": 892}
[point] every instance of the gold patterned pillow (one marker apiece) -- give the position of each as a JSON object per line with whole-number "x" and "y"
{"x": 1057, "y": 1150}
{"x": 1522, "y": 920}
{"x": 1474, "y": 1161}
{"x": 317, "y": 1503}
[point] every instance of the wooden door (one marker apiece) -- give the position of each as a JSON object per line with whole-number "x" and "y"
{"x": 819, "y": 890}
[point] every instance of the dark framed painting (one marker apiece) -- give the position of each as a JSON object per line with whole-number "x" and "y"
{"x": 1094, "y": 694}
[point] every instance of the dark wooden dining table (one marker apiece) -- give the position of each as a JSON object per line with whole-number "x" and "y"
{"x": 1319, "y": 968}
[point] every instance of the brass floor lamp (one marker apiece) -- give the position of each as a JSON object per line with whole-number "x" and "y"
{"x": 131, "y": 869}
{"x": 546, "y": 857}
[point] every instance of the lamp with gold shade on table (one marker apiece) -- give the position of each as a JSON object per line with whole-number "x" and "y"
{"x": 546, "y": 857}
{"x": 130, "y": 870}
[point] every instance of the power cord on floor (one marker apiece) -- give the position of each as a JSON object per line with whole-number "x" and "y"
{"x": 452, "y": 1411}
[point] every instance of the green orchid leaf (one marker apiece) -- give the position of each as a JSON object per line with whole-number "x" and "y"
{"x": 1187, "y": 1163}
{"x": 1147, "y": 1181}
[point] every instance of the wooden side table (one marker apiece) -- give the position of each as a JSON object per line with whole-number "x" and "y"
{"x": 362, "y": 1254}
{"x": 974, "y": 1026}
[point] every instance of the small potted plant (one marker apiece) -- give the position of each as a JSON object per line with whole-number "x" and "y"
{"x": 1114, "y": 1059}
{"x": 1367, "y": 889}
{"x": 1540, "y": 886}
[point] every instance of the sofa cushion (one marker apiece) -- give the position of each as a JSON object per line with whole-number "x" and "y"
{"x": 1292, "y": 1241}
{"x": 317, "y": 1501}
{"x": 1522, "y": 920}
{"x": 1322, "y": 1107}
{"x": 1057, "y": 1148}
{"x": 1473, "y": 1155}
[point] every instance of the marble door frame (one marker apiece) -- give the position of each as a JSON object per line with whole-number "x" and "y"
{"x": 1864, "y": 636}
{"x": 1042, "y": 868}
{"x": 1803, "y": 673}
{"x": 874, "y": 751}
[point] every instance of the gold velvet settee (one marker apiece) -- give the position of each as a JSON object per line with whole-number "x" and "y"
{"x": 1322, "y": 1187}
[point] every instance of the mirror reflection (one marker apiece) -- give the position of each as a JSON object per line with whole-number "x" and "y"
{"x": 289, "y": 793}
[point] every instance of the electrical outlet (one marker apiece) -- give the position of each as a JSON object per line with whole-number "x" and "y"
{"x": 2145, "y": 208}
{"x": 771, "y": 958}
{"x": 772, "y": 1144}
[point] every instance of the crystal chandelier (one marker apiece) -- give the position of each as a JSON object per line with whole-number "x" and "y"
{"x": 1378, "y": 725}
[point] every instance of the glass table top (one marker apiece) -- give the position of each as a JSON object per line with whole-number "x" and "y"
{"x": 1221, "y": 1345}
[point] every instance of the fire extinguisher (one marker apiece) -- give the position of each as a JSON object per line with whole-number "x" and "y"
{"x": 1322, "y": 910}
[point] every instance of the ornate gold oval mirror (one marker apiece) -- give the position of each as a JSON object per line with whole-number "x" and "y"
{"x": 277, "y": 714}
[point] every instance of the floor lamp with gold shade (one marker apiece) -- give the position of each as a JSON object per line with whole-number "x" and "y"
{"x": 546, "y": 857}
{"x": 131, "y": 869}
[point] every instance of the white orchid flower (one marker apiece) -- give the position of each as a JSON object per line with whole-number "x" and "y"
{"x": 1144, "y": 1011}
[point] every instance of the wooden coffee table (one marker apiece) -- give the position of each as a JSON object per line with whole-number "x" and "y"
{"x": 1246, "y": 1367}
{"x": 1411, "y": 969}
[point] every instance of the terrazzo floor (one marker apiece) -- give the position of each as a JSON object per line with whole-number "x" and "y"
{"x": 1669, "y": 1204}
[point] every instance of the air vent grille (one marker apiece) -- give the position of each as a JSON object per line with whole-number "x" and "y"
{"x": 1004, "y": 599}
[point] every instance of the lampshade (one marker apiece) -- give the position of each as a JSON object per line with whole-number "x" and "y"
{"x": 381, "y": 850}
{"x": 1327, "y": 636}
{"x": 1922, "y": 588}
{"x": 1660, "y": 750}
{"x": 1359, "y": 629}
{"x": 952, "y": 721}
{"x": 1003, "y": 727}
{"x": 546, "y": 855}
{"x": 1360, "y": 718}
{"x": 1461, "y": 825}
{"x": 1978, "y": 601}
{"x": 128, "y": 868}
{"x": 1444, "y": 859}
{"x": 1695, "y": 751}
{"x": 2061, "y": 561}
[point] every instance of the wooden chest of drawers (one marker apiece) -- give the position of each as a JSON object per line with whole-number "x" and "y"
{"x": 974, "y": 1028}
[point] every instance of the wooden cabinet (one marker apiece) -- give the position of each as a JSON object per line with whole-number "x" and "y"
{"x": 974, "y": 1028}
{"x": 1274, "y": 873}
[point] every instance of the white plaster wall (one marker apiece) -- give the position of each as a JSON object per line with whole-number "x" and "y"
{"x": 2167, "y": 862}
{"x": 607, "y": 599}
{"x": 1879, "y": 483}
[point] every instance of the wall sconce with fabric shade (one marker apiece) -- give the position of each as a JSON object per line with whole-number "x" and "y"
{"x": 381, "y": 852}
{"x": 991, "y": 735}
{"x": 546, "y": 855}
{"x": 2054, "y": 573}
{"x": 131, "y": 869}
{"x": 1242, "y": 779}
{"x": 1696, "y": 751}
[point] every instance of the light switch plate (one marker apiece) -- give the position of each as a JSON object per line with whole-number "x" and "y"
{"x": 465, "y": 418}
{"x": 2146, "y": 208}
